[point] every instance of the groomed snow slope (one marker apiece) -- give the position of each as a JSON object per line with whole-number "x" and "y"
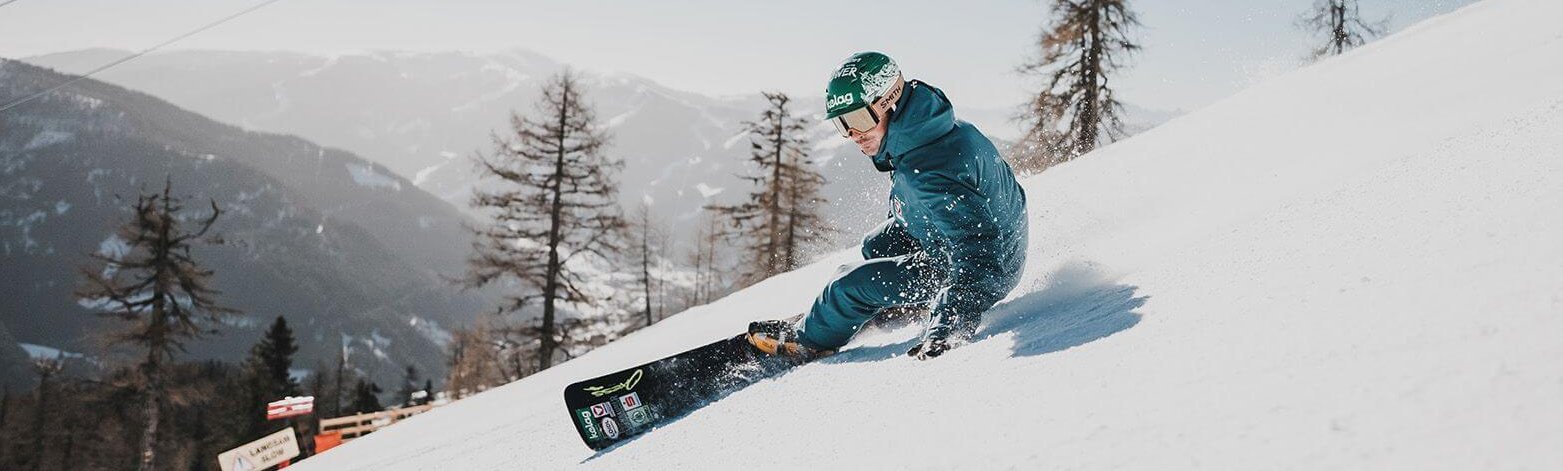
{"x": 1356, "y": 265}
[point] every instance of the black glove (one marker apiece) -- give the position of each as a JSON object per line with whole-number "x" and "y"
{"x": 928, "y": 349}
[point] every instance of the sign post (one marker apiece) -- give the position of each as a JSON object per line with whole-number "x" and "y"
{"x": 261, "y": 454}
{"x": 290, "y": 407}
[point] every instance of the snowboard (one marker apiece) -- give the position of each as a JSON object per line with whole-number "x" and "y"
{"x": 614, "y": 407}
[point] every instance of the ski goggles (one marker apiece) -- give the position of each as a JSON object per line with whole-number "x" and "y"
{"x": 860, "y": 120}
{"x": 863, "y": 119}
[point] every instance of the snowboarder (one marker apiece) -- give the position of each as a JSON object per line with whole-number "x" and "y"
{"x": 956, "y": 235}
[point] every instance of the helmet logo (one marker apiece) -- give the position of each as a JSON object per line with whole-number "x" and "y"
{"x": 838, "y": 100}
{"x": 847, "y": 70}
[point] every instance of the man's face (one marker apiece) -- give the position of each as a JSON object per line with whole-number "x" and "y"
{"x": 869, "y": 142}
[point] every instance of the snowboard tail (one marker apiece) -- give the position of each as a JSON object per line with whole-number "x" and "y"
{"x": 612, "y": 408}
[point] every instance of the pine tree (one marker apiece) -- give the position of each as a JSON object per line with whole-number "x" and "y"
{"x": 268, "y": 374}
{"x": 366, "y": 397}
{"x": 409, "y": 386}
{"x": 557, "y": 205}
{"x": 320, "y": 388}
{"x": 5, "y": 407}
{"x": 1080, "y": 50}
{"x": 339, "y": 392}
{"x": 1339, "y": 22}
{"x": 271, "y": 361}
{"x": 784, "y": 211}
{"x": 161, "y": 291}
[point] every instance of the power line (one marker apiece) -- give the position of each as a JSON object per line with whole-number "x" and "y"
{"x": 138, "y": 54}
{"x": 7, "y": 2}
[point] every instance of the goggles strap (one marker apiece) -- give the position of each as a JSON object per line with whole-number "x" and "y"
{"x": 884, "y": 104}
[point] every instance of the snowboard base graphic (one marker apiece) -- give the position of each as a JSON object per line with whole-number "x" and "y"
{"x": 612, "y": 408}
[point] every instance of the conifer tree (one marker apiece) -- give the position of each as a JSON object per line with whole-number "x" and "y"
{"x": 163, "y": 294}
{"x": 5, "y": 413}
{"x": 1084, "y": 45}
{"x": 556, "y": 204}
{"x": 366, "y": 397}
{"x": 5, "y": 406}
{"x": 783, "y": 213}
{"x": 1341, "y": 25}
{"x": 320, "y": 388}
{"x": 271, "y": 360}
{"x": 339, "y": 391}
{"x": 268, "y": 373}
{"x": 409, "y": 386}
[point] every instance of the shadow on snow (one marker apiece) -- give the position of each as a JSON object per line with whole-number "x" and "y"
{"x": 1077, "y": 305}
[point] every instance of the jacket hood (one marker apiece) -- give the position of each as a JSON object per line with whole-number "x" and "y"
{"x": 922, "y": 116}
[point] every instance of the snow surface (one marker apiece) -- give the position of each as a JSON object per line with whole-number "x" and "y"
{"x": 1352, "y": 265}
{"x": 365, "y": 175}
{"x": 707, "y": 191}
{"x": 423, "y": 174}
{"x": 41, "y": 352}
{"x": 48, "y": 138}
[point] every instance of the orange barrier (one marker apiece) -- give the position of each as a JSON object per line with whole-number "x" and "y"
{"x": 327, "y": 441}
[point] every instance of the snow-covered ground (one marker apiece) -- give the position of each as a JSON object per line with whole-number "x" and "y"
{"x": 1354, "y": 265}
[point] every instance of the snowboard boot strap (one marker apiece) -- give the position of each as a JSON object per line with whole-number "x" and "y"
{"x": 780, "y": 338}
{"x": 928, "y": 349}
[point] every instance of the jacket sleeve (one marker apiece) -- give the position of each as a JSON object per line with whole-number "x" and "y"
{"x": 971, "y": 240}
{"x": 889, "y": 239}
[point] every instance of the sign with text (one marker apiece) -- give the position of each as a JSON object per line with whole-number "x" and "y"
{"x": 261, "y": 454}
{"x": 290, "y": 407}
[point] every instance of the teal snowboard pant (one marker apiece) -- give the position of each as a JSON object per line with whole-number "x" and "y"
{"x": 894, "y": 272}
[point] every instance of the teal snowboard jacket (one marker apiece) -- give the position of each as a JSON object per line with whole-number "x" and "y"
{"x": 956, "y": 196}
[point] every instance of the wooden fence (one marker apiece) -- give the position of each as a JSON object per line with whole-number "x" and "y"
{"x": 354, "y": 426}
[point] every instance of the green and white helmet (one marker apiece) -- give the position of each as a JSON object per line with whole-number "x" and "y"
{"x": 862, "y": 92}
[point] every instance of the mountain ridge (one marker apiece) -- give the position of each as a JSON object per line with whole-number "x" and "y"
{"x": 422, "y": 113}
{"x": 347, "y": 250}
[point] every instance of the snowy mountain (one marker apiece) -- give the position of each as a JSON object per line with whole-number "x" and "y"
{"x": 344, "y": 248}
{"x": 1353, "y": 265}
{"x": 422, "y": 114}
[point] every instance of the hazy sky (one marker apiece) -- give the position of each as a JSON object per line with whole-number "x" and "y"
{"x": 1195, "y": 51}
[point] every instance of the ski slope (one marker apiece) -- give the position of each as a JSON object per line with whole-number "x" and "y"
{"x": 1355, "y": 265}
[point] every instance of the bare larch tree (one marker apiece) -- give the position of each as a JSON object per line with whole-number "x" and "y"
{"x": 783, "y": 213}
{"x": 1084, "y": 45}
{"x": 555, "y": 204}
{"x": 704, "y": 259}
{"x": 474, "y": 363}
{"x": 1341, "y": 24}
{"x": 644, "y": 249}
{"x": 158, "y": 288}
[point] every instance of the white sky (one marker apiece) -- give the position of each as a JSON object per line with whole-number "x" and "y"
{"x": 1195, "y": 51}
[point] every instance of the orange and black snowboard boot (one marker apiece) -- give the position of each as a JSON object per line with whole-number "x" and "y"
{"x": 780, "y": 338}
